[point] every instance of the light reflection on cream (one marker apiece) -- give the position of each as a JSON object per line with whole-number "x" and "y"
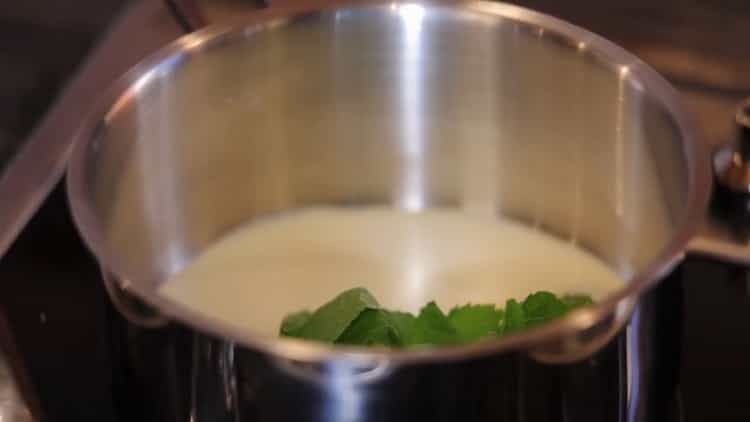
{"x": 412, "y": 196}
{"x": 412, "y": 132}
{"x": 417, "y": 268}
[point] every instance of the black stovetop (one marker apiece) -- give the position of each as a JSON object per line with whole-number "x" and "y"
{"x": 58, "y": 312}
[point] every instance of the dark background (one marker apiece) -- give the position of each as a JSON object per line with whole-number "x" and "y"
{"x": 41, "y": 43}
{"x": 49, "y": 290}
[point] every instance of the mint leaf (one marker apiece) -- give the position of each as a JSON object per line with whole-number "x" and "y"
{"x": 541, "y": 307}
{"x": 433, "y": 327}
{"x": 372, "y": 327}
{"x": 473, "y": 322}
{"x": 575, "y": 301}
{"x": 329, "y": 321}
{"x": 405, "y": 326}
{"x": 354, "y": 317}
{"x": 293, "y": 323}
{"x": 381, "y": 327}
{"x": 515, "y": 317}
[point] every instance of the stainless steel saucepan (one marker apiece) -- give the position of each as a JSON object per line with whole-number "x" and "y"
{"x": 412, "y": 105}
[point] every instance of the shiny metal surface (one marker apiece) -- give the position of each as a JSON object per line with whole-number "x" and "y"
{"x": 133, "y": 309}
{"x": 484, "y": 107}
{"x": 477, "y": 106}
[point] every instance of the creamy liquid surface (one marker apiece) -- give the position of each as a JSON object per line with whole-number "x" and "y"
{"x": 259, "y": 273}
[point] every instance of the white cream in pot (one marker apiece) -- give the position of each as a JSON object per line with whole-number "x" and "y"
{"x": 266, "y": 269}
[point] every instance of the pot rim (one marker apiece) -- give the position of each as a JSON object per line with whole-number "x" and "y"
{"x": 619, "y": 304}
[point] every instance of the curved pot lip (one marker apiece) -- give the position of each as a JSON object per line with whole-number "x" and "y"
{"x": 618, "y": 304}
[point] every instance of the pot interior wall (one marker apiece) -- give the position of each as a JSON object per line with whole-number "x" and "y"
{"x": 409, "y": 106}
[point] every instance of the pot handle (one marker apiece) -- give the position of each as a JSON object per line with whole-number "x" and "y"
{"x": 726, "y": 232}
{"x": 589, "y": 338}
{"x": 716, "y": 239}
{"x": 130, "y": 307}
{"x": 351, "y": 372}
